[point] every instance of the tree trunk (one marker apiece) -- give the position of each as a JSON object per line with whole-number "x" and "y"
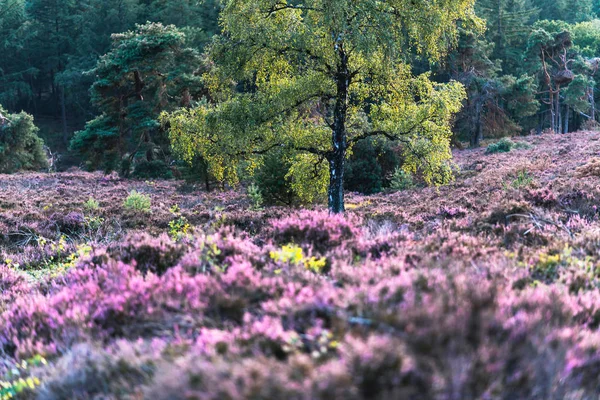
{"x": 566, "y": 120}
{"x": 337, "y": 156}
{"x": 557, "y": 113}
{"x": 478, "y": 126}
{"x": 63, "y": 114}
{"x": 592, "y": 104}
{"x": 552, "y": 111}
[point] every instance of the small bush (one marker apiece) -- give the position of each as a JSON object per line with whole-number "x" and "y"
{"x": 156, "y": 169}
{"x": 272, "y": 183}
{"x": 370, "y": 167}
{"x": 91, "y": 205}
{"x": 317, "y": 230}
{"x": 179, "y": 226}
{"x": 20, "y": 146}
{"x": 591, "y": 168}
{"x": 522, "y": 179}
{"x": 255, "y": 196}
{"x": 137, "y": 202}
{"x": 506, "y": 145}
{"x": 402, "y": 180}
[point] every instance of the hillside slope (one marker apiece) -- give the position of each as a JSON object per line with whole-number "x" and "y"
{"x": 487, "y": 288}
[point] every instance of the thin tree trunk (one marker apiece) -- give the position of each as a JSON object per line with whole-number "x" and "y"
{"x": 566, "y": 120}
{"x": 476, "y": 130}
{"x": 558, "y": 121}
{"x": 552, "y": 111}
{"x": 63, "y": 112}
{"x": 337, "y": 156}
{"x": 592, "y": 104}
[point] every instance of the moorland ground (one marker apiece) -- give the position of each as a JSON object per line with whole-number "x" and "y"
{"x": 484, "y": 288}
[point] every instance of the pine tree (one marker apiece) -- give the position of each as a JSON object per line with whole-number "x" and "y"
{"x": 147, "y": 71}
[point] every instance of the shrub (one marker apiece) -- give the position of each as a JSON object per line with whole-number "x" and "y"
{"x": 520, "y": 180}
{"x": 156, "y": 169}
{"x": 295, "y": 256}
{"x": 272, "y": 182}
{"x": 179, "y": 226}
{"x": 137, "y": 202}
{"x": 150, "y": 254}
{"x": 320, "y": 231}
{"x": 505, "y": 145}
{"x": 402, "y": 180}
{"x": 91, "y": 205}
{"x": 369, "y": 168}
{"x": 255, "y": 196}
{"x": 20, "y": 147}
{"x": 591, "y": 168}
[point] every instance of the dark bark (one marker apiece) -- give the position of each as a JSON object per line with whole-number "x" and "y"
{"x": 337, "y": 156}
{"x": 592, "y": 104}
{"x": 557, "y": 113}
{"x": 63, "y": 115}
{"x": 477, "y": 134}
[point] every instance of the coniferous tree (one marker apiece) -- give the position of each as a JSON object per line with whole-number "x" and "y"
{"x": 147, "y": 71}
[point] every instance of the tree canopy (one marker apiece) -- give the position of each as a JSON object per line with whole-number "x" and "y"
{"x": 20, "y": 147}
{"x": 318, "y": 76}
{"x": 147, "y": 71}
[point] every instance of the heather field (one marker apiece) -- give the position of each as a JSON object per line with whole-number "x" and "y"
{"x": 486, "y": 288}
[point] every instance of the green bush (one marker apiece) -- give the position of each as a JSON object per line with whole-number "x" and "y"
{"x": 155, "y": 169}
{"x": 402, "y": 180}
{"x": 370, "y": 166}
{"x": 20, "y": 146}
{"x": 255, "y": 196}
{"x": 505, "y": 145}
{"x": 272, "y": 183}
{"x": 137, "y": 202}
{"x": 91, "y": 205}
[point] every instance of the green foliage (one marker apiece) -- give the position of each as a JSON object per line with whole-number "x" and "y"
{"x": 91, "y": 205}
{"x": 402, "y": 180}
{"x": 255, "y": 196}
{"x": 271, "y": 180}
{"x": 370, "y": 166}
{"x": 522, "y": 179}
{"x": 18, "y": 381}
{"x": 155, "y": 169}
{"x": 20, "y": 147}
{"x": 505, "y": 145}
{"x": 317, "y": 78}
{"x": 48, "y": 47}
{"x": 179, "y": 226}
{"x": 60, "y": 258}
{"x": 308, "y": 177}
{"x": 147, "y": 71}
{"x": 137, "y": 202}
